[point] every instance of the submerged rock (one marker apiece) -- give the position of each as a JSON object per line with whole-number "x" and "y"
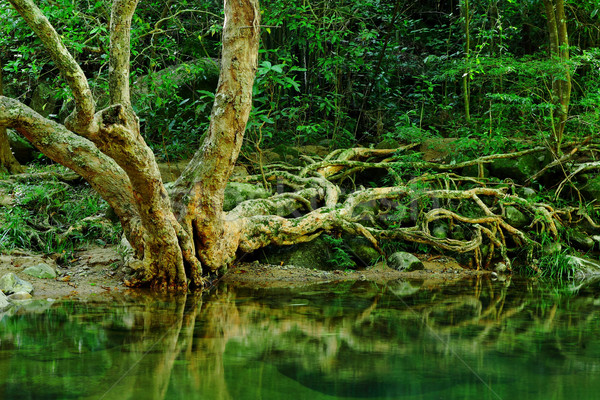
{"x": 403, "y": 261}
{"x": 41, "y": 270}
{"x": 11, "y": 283}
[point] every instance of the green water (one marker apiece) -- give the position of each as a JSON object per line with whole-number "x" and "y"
{"x": 477, "y": 339}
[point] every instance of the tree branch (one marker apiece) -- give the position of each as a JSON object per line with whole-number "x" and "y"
{"x": 82, "y": 119}
{"x": 120, "y": 39}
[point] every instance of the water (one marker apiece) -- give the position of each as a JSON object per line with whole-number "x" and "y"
{"x": 477, "y": 339}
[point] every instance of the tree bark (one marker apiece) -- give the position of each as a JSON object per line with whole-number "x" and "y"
{"x": 8, "y": 162}
{"x": 559, "y": 49}
{"x": 199, "y": 192}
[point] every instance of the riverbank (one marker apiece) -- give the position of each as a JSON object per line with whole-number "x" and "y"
{"x": 98, "y": 272}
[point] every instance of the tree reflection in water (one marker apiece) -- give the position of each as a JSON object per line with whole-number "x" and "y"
{"x": 403, "y": 340}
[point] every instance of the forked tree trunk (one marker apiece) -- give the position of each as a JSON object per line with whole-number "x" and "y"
{"x": 106, "y": 148}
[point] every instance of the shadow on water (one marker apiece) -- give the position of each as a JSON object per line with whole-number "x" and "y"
{"x": 476, "y": 339}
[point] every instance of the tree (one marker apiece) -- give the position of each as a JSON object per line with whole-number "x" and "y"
{"x": 182, "y": 233}
{"x": 8, "y": 161}
{"x": 559, "y": 49}
{"x": 106, "y": 148}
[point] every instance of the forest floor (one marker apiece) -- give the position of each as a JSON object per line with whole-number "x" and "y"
{"x": 97, "y": 273}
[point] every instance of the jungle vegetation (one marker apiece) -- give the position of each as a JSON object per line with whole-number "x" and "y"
{"x": 479, "y": 117}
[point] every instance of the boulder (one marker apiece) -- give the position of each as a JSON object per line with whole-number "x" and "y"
{"x": 313, "y": 254}
{"x": 519, "y": 170}
{"x": 4, "y": 303}
{"x": 236, "y": 192}
{"x": 11, "y": 283}
{"x": 41, "y": 270}
{"x": 591, "y": 188}
{"x": 515, "y": 217}
{"x": 403, "y": 261}
{"x": 361, "y": 250}
{"x": 582, "y": 267}
{"x": 20, "y": 296}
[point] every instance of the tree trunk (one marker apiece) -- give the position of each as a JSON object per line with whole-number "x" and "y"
{"x": 106, "y": 148}
{"x": 559, "y": 50}
{"x": 8, "y": 162}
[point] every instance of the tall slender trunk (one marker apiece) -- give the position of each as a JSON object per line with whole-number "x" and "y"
{"x": 466, "y": 12}
{"x": 559, "y": 50}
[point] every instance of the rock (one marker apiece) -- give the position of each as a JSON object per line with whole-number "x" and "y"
{"x": 361, "y": 250}
{"x": 519, "y": 170}
{"x": 582, "y": 267}
{"x": 591, "y": 188}
{"x": 440, "y": 231}
{"x": 528, "y": 193}
{"x": 313, "y": 254}
{"x": 403, "y": 261}
{"x": 387, "y": 144}
{"x": 11, "y": 283}
{"x": 580, "y": 240}
{"x": 19, "y": 296}
{"x": 41, "y": 270}
{"x": 552, "y": 247}
{"x": 4, "y": 303}
{"x": 515, "y": 217}
{"x": 236, "y": 192}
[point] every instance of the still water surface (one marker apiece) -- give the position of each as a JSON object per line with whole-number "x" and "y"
{"x": 477, "y": 339}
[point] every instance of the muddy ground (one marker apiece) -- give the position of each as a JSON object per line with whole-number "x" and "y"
{"x": 99, "y": 273}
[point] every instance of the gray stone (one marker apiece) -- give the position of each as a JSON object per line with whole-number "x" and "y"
{"x": 515, "y": 217}
{"x": 403, "y": 261}
{"x": 528, "y": 192}
{"x": 41, "y": 270}
{"x": 19, "y": 296}
{"x": 552, "y": 247}
{"x": 4, "y": 303}
{"x": 582, "y": 267}
{"x": 236, "y": 192}
{"x": 580, "y": 240}
{"x": 591, "y": 188}
{"x": 313, "y": 254}
{"x": 362, "y": 250}
{"x": 519, "y": 170}
{"x": 11, "y": 283}
{"x": 440, "y": 231}
{"x": 387, "y": 144}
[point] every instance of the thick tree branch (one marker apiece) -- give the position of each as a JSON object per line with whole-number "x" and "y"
{"x": 82, "y": 119}
{"x": 120, "y": 40}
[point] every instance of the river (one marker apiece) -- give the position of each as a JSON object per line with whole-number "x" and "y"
{"x": 475, "y": 339}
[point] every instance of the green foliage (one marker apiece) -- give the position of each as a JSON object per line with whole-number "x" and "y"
{"x": 50, "y": 216}
{"x": 340, "y": 258}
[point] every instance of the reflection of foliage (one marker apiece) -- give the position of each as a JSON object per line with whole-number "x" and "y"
{"x": 326, "y": 340}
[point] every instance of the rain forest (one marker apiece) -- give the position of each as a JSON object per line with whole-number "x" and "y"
{"x": 309, "y": 199}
